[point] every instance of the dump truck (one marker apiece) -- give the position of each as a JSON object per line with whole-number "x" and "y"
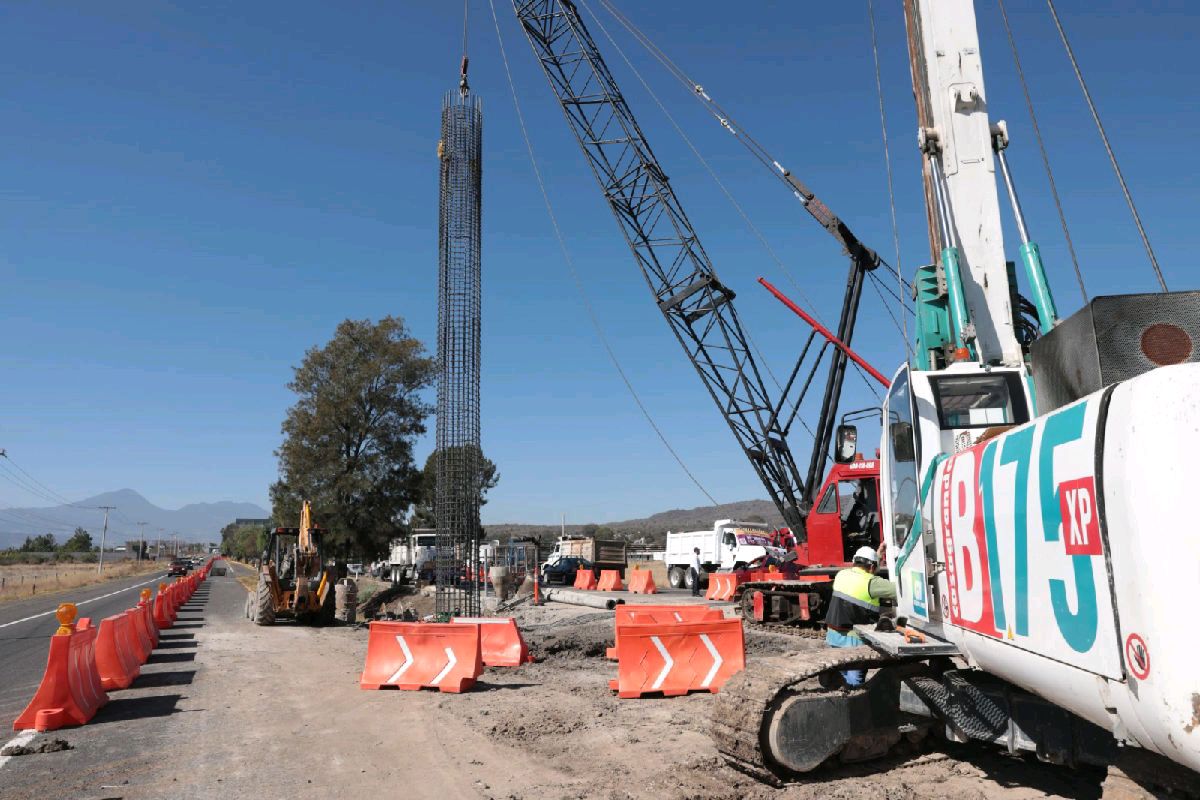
{"x": 600, "y": 553}
{"x": 728, "y": 545}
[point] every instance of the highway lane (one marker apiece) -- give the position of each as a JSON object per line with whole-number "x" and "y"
{"x": 27, "y": 625}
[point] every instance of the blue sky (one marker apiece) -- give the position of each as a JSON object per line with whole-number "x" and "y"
{"x": 192, "y": 196}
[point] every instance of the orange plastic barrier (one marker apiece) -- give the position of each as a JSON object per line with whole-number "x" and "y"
{"x": 610, "y": 581}
{"x": 500, "y": 641}
{"x": 138, "y": 636}
{"x": 70, "y": 691}
{"x": 116, "y": 655}
{"x": 641, "y": 581}
{"x": 658, "y": 615}
{"x": 163, "y": 618}
{"x": 722, "y": 585}
{"x": 678, "y": 658}
{"x": 416, "y": 655}
{"x": 146, "y": 606}
{"x": 585, "y": 579}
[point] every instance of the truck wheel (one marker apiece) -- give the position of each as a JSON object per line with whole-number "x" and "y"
{"x": 676, "y": 577}
{"x": 264, "y": 604}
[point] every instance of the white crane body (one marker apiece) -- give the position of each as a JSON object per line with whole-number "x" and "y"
{"x": 1048, "y": 547}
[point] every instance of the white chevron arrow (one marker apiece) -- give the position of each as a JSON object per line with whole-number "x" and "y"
{"x": 451, "y": 660}
{"x": 717, "y": 660}
{"x": 662, "y": 651}
{"x": 408, "y": 660}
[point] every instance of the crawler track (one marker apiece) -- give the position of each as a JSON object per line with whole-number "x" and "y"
{"x": 741, "y": 714}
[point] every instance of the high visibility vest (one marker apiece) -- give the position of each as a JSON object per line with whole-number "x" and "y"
{"x": 851, "y": 603}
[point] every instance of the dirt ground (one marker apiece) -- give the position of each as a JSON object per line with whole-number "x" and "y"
{"x": 249, "y": 712}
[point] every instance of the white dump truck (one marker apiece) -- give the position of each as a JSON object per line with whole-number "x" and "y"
{"x": 413, "y": 556}
{"x": 728, "y": 545}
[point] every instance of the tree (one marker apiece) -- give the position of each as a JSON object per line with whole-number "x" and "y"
{"x": 348, "y": 439}
{"x": 243, "y": 542}
{"x": 44, "y": 543}
{"x": 486, "y": 478}
{"x": 80, "y": 542}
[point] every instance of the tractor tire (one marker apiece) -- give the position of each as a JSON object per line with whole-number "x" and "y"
{"x": 676, "y": 576}
{"x": 264, "y": 605}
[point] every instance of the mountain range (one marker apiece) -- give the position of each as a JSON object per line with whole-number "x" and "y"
{"x": 195, "y": 522}
{"x": 653, "y": 528}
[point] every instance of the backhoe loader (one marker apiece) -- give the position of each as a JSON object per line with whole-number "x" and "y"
{"x": 293, "y": 580}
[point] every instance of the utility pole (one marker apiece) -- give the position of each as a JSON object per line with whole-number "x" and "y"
{"x": 141, "y": 538}
{"x": 103, "y": 534}
{"x": 175, "y": 543}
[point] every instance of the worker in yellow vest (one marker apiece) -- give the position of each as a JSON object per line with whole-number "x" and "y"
{"x": 857, "y": 591}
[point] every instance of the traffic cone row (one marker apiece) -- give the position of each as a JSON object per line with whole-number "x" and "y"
{"x": 86, "y": 661}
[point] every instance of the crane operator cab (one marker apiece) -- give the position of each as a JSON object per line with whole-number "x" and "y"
{"x": 930, "y": 416}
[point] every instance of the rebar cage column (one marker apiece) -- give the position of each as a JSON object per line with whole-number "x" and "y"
{"x": 458, "y": 569}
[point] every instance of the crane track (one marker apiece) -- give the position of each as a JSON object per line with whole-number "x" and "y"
{"x": 740, "y": 713}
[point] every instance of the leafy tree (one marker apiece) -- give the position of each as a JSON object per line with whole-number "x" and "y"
{"x": 348, "y": 439}
{"x": 40, "y": 544}
{"x": 486, "y": 478}
{"x": 243, "y": 542}
{"x": 80, "y": 542}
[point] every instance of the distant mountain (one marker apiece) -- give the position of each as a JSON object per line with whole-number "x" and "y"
{"x": 655, "y": 527}
{"x": 196, "y": 522}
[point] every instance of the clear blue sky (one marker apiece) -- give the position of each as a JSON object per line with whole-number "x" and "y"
{"x": 193, "y": 195}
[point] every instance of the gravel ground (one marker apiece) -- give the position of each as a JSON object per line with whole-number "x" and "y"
{"x": 238, "y": 711}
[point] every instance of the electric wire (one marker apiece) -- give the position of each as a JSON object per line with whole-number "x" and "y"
{"x": 57, "y": 496}
{"x": 1037, "y": 133}
{"x": 887, "y": 160}
{"x": 1087, "y": 95}
{"x": 562, "y": 244}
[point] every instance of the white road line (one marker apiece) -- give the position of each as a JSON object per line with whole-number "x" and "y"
{"x": 84, "y": 602}
{"x": 20, "y": 740}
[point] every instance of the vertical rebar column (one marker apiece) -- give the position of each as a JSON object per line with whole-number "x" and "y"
{"x": 458, "y": 449}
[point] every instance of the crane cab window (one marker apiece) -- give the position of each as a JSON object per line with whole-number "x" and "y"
{"x": 979, "y": 401}
{"x": 829, "y": 501}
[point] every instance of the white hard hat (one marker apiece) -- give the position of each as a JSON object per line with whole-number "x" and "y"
{"x": 867, "y": 554}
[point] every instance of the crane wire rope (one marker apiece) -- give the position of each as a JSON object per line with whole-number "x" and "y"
{"x": 562, "y": 245}
{"x": 756, "y": 149}
{"x": 1087, "y": 95}
{"x": 728, "y": 194}
{"x": 1037, "y": 133}
{"x": 887, "y": 160}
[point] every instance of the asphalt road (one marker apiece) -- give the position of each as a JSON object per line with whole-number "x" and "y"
{"x": 27, "y": 625}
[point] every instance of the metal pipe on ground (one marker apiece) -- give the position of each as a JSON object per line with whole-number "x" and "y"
{"x": 580, "y": 599}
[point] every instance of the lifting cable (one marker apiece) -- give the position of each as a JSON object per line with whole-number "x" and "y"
{"x": 1037, "y": 132}
{"x": 1137, "y": 220}
{"x": 732, "y": 200}
{"x": 752, "y": 145}
{"x": 562, "y": 244}
{"x": 712, "y": 173}
{"x": 887, "y": 160}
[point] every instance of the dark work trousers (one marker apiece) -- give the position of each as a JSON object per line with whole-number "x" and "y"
{"x": 695, "y": 581}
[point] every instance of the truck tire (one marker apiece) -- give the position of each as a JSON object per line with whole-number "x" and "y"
{"x": 264, "y": 604}
{"x": 677, "y": 577}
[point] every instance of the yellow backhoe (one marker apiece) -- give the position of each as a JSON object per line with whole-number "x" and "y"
{"x": 293, "y": 580}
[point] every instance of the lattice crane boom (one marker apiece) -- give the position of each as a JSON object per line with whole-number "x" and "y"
{"x": 696, "y": 304}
